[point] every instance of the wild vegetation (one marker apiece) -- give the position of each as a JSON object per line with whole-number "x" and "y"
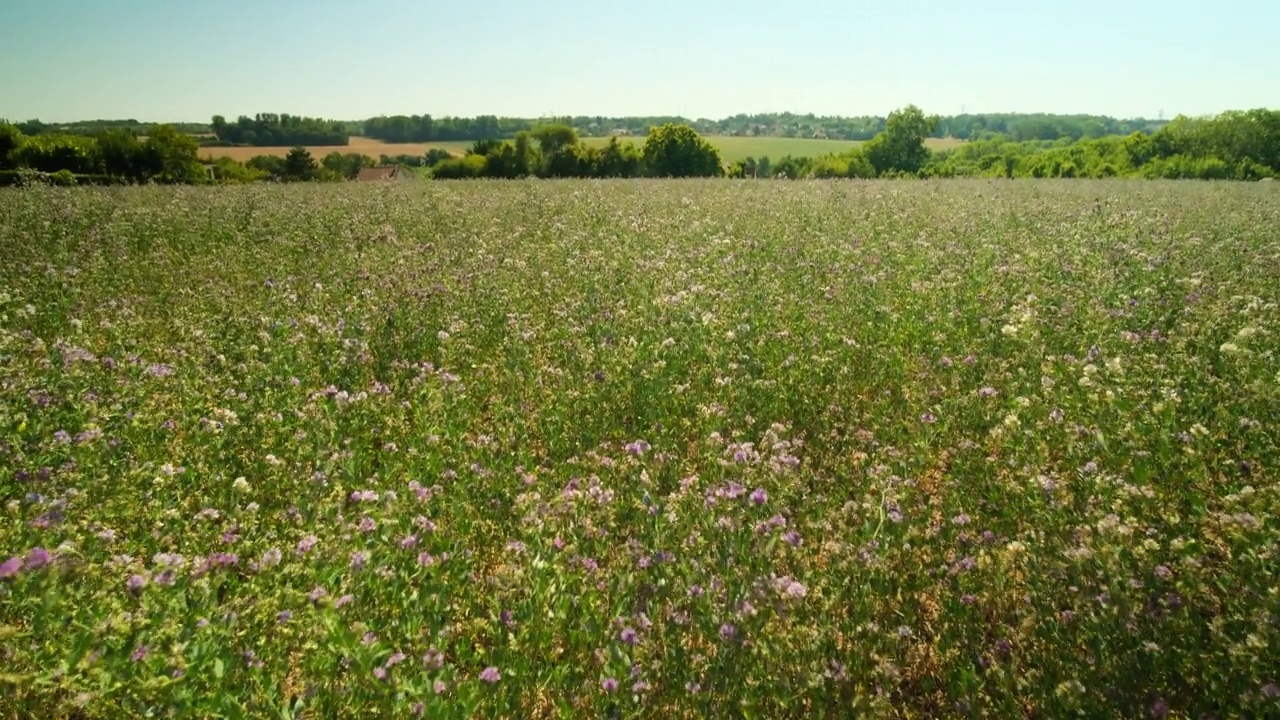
{"x": 640, "y": 449}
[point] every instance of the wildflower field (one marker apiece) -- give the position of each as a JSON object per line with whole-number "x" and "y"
{"x": 640, "y": 449}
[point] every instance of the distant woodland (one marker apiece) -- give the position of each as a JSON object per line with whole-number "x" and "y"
{"x": 1234, "y": 145}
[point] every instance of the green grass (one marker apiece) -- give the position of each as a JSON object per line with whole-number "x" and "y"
{"x": 875, "y": 449}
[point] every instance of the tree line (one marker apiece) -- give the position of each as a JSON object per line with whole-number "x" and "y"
{"x": 112, "y": 155}
{"x": 1237, "y": 145}
{"x": 274, "y": 129}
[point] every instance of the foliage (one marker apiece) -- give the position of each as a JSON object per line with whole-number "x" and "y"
{"x": 471, "y": 166}
{"x": 1234, "y": 145}
{"x": 900, "y": 148}
{"x": 299, "y": 165}
{"x": 51, "y": 153}
{"x": 678, "y": 151}
{"x": 435, "y": 156}
{"x": 169, "y": 156}
{"x": 271, "y": 129}
{"x": 424, "y": 128}
{"x": 640, "y": 450}
{"x": 269, "y": 166}
{"x": 615, "y": 159}
{"x": 229, "y": 171}
{"x": 347, "y": 166}
{"x": 10, "y": 138}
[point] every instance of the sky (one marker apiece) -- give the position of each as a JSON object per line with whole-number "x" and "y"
{"x": 176, "y": 60}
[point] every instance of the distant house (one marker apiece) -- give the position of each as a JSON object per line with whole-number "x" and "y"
{"x": 386, "y": 173}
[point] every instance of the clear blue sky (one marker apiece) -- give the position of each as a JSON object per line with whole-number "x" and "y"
{"x": 172, "y": 60}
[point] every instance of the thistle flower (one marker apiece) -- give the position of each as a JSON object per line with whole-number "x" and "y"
{"x": 609, "y": 684}
{"x": 490, "y": 675}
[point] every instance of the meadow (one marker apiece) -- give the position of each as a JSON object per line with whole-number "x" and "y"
{"x": 640, "y": 449}
{"x": 732, "y": 148}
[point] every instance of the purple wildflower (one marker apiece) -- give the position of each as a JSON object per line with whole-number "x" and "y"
{"x": 344, "y": 600}
{"x": 368, "y": 524}
{"x": 928, "y": 418}
{"x": 490, "y": 675}
{"x": 306, "y": 544}
{"x": 140, "y": 654}
{"x": 433, "y": 660}
{"x": 728, "y": 632}
{"x": 759, "y": 496}
{"x": 10, "y": 567}
{"x": 986, "y": 392}
{"x": 62, "y": 436}
{"x": 629, "y": 636}
{"x": 380, "y": 673}
{"x": 438, "y": 687}
{"x": 135, "y": 584}
{"x": 409, "y": 542}
{"x": 165, "y": 578}
{"x": 1160, "y": 709}
{"x": 1163, "y": 572}
{"x": 37, "y": 558}
{"x": 609, "y": 684}
{"x": 792, "y": 538}
{"x": 637, "y": 447}
{"x": 358, "y": 559}
{"x": 317, "y": 594}
{"x": 1271, "y": 691}
{"x": 284, "y": 616}
{"x": 396, "y": 659}
{"x": 160, "y": 370}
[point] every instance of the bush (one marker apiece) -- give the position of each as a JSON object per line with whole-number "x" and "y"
{"x": 471, "y": 166}
{"x": 63, "y": 178}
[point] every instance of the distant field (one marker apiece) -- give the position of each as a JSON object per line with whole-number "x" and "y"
{"x": 731, "y": 148}
{"x": 363, "y": 145}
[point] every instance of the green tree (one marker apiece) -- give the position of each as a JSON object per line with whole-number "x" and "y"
{"x": 555, "y": 137}
{"x": 10, "y": 139}
{"x": 269, "y": 165}
{"x": 226, "y": 170}
{"x": 122, "y": 154}
{"x": 900, "y": 148}
{"x": 673, "y": 150}
{"x": 299, "y": 165}
{"x": 169, "y": 156}
{"x": 345, "y": 166}
{"x": 436, "y": 156}
{"x": 51, "y": 153}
